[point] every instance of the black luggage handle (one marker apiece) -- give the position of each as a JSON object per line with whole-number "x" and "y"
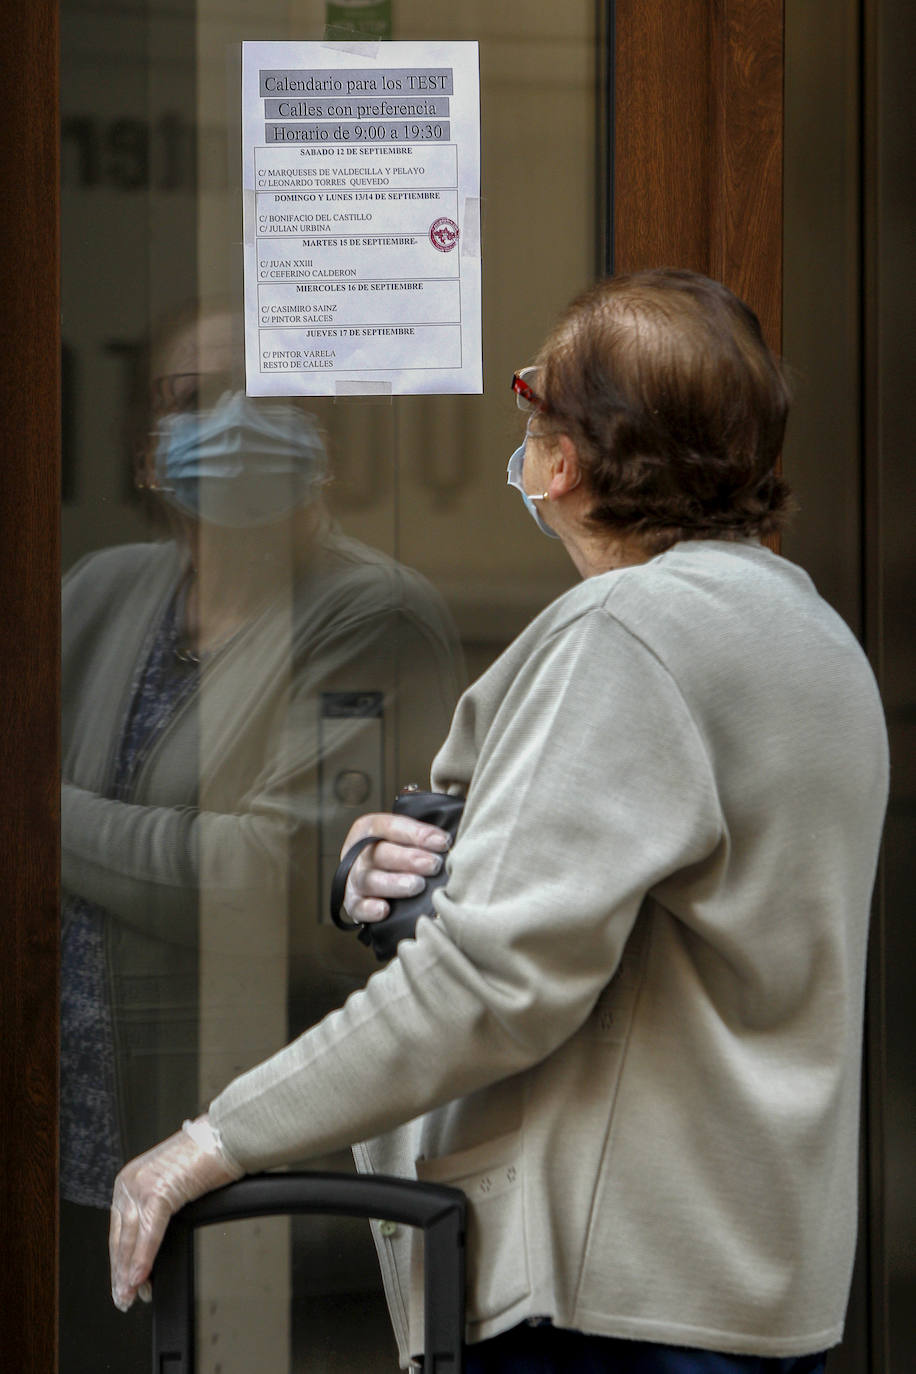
{"x": 439, "y": 1211}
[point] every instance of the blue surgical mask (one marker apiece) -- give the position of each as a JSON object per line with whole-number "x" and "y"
{"x": 241, "y": 463}
{"x": 514, "y": 479}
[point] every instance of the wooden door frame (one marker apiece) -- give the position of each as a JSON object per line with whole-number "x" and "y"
{"x": 29, "y": 690}
{"x": 697, "y": 181}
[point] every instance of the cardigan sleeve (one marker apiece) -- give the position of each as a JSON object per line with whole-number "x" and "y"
{"x": 591, "y": 786}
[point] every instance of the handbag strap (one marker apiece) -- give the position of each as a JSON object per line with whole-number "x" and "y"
{"x": 339, "y": 882}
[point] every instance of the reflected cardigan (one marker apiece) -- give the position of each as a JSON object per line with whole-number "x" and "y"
{"x": 226, "y": 808}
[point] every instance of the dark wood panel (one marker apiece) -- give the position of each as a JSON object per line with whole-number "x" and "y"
{"x": 698, "y": 143}
{"x": 29, "y": 697}
{"x": 746, "y": 188}
{"x": 662, "y": 164}
{"x": 698, "y": 110}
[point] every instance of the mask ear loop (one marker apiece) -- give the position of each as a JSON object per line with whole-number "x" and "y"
{"x": 545, "y": 495}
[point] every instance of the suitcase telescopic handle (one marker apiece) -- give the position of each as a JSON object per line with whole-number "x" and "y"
{"x": 440, "y": 1212}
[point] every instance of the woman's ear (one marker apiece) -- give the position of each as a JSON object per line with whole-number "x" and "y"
{"x": 567, "y": 470}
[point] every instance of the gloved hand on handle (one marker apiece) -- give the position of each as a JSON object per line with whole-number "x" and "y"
{"x": 149, "y": 1190}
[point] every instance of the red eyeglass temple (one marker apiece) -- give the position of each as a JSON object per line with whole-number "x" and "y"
{"x": 521, "y": 387}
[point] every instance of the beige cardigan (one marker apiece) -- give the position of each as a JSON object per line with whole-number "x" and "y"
{"x": 634, "y": 1030}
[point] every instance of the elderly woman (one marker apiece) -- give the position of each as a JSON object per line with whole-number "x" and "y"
{"x": 632, "y": 1034}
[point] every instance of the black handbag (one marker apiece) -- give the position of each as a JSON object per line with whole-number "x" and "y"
{"x": 436, "y": 808}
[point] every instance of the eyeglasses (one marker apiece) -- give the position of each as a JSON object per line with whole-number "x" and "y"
{"x": 526, "y": 398}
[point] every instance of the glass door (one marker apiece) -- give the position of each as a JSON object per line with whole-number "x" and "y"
{"x": 270, "y": 608}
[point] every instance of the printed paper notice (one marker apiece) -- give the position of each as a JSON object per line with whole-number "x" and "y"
{"x": 361, "y": 178}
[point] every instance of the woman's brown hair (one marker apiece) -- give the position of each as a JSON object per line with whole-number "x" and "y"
{"x": 676, "y": 405}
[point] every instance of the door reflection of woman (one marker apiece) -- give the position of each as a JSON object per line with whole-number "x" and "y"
{"x": 195, "y": 669}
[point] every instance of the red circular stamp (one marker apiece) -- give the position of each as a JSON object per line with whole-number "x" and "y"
{"x": 443, "y": 234}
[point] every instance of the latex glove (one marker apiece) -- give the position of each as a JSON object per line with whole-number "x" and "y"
{"x": 149, "y": 1190}
{"x": 409, "y": 852}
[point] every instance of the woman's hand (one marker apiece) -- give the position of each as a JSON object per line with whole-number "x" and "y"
{"x": 407, "y": 854}
{"x": 149, "y": 1190}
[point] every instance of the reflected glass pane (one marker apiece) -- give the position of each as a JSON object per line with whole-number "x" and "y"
{"x": 270, "y": 609}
